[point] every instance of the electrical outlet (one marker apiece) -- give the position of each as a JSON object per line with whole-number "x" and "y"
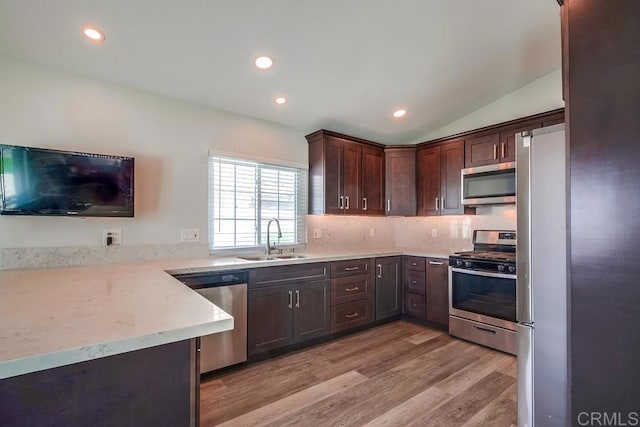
{"x": 189, "y": 235}
{"x": 317, "y": 233}
{"x": 434, "y": 232}
{"x": 372, "y": 232}
{"x": 111, "y": 237}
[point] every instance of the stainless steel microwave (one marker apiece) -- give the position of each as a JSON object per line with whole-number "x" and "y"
{"x": 489, "y": 185}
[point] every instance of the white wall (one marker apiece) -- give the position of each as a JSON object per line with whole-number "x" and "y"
{"x": 541, "y": 95}
{"x": 169, "y": 139}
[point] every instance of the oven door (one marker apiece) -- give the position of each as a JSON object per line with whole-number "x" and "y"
{"x": 484, "y": 297}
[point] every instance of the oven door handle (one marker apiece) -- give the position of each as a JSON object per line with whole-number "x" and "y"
{"x": 483, "y": 273}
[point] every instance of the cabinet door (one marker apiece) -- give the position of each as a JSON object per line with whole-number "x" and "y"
{"x": 429, "y": 181}
{"x": 388, "y": 287}
{"x": 508, "y": 142}
{"x": 352, "y": 174}
{"x": 481, "y": 151}
{"x": 451, "y": 190}
{"x": 269, "y": 318}
{"x": 437, "y": 309}
{"x": 372, "y": 181}
{"x": 311, "y": 311}
{"x": 400, "y": 181}
{"x": 333, "y": 179}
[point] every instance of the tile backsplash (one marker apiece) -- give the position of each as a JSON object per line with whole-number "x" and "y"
{"x": 444, "y": 234}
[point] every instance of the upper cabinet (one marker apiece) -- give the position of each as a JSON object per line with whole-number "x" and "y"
{"x": 346, "y": 175}
{"x": 400, "y": 180}
{"x": 439, "y": 179}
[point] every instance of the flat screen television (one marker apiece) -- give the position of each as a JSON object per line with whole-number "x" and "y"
{"x": 37, "y": 181}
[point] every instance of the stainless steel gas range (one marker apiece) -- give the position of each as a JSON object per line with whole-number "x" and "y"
{"x": 482, "y": 291}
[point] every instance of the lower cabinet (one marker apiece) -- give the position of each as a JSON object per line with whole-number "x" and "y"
{"x": 388, "y": 287}
{"x": 437, "y": 306}
{"x": 352, "y": 294}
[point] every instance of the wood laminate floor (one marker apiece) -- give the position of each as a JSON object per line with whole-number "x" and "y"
{"x": 397, "y": 374}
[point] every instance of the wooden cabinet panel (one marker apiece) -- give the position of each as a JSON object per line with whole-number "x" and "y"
{"x": 372, "y": 181}
{"x": 269, "y": 318}
{"x": 400, "y": 181}
{"x": 351, "y": 288}
{"x": 429, "y": 175}
{"x": 311, "y": 311}
{"x": 283, "y": 274}
{"x": 414, "y": 282}
{"x": 508, "y": 141}
{"x": 351, "y": 315}
{"x": 352, "y": 176}
{"x": 416, "y": 263}
{"x": 333, "y": 178}
{"x": 437, "y": 289}
{"x": 482, "y": 151}
{"x": 351, "y": 267}
{"x": 451, "y": 190}
{"x": 414, "y": 305}
{"x": 388, "y": 287}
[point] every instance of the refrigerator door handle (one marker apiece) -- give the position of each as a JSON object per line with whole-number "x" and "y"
{"x": 524, "y": 312}
{"x": 525, "y": 375}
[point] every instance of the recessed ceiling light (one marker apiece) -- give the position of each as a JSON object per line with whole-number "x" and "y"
{"x": 93, "y": 34}
{"x": 399, "y": 113}
{"x": 281, "y": 100}
{"x": 264, "y": 62}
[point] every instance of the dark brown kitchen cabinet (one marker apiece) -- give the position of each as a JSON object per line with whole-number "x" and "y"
{"x": 346, "y": 175}
{"x": 352, "y": 294}
{"x": 482, "y": 150}
{"x": 388, "y": 287}
{"x": 508, "y": 140}
{"x": 439, "y": 191}
{"x": 287, "y": 305}
{"x": 437, "y": 291}
{"x": 414, "y": 287}
{"x": 400, "y": 170}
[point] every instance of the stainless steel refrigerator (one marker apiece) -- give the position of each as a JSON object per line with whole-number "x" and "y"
{"x": 541, "y": 292}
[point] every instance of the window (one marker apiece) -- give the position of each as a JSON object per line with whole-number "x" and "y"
{"x": 244, "y": 195}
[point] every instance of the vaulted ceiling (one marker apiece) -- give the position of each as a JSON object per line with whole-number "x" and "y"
{"x": 345, "y": 65}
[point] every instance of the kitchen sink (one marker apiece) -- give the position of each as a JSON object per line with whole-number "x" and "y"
{"x": 271, "y": 257}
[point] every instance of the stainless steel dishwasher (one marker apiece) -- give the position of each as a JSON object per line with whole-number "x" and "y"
{"x": 227, "y": 290}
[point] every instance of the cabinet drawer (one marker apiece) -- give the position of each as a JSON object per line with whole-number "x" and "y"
{"x": 351, "y": 314}
{"x": 415, "y": 282}
{"x": 351, "y": 267}
{"x": 414, "y": 305}
{"x": 415, "y": 263}
{"x": 351, "y": 288}
{"x": 283, "y": 274}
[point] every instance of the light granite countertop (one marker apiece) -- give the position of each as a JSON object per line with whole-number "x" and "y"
{"x": 60, "y": 316}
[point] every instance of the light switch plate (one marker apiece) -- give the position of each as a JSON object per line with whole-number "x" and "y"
{"x": 434, "y": 232}
{"x": 317, "y": 233}
{"x": 189, "y": 235}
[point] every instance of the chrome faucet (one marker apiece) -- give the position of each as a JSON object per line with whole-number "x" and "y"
{"x": 269, "y": 247}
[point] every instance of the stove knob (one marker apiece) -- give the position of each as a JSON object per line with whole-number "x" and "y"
{"x": 467, "y": 264}
{"x": 500, "y": 268}
{"x": 512, "y": 269}
{"x": 458, "y": 263}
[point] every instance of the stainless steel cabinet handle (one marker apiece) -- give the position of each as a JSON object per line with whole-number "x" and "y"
{"x": 495, "y": 151}
{"x": 414, "y": 264}
{"x": 347, "y": 206}
{"x": 290, "y": 299}
{"x": 351, "y": 268}
{"x": 341, "y": 202}
{"x": 437, "y": 201}
{"x": 349, "y": 316}
{"x": 379, "y": 270}
{"x": 355, "y": 288}
{"x": 442, "y": 203}
{"x": 388, "y": 205}
{"x": 297, "y": 298}
{"x": 364, "y": 203}
{"x": 503, "y": 151}
{"x": 436, "y": 263}
{"x": 489, "y": 331}
{"x": 415, "y": 282}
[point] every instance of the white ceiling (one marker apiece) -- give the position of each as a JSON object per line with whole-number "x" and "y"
{"x": 344, "y": 65}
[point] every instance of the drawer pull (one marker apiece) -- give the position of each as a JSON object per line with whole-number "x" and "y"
{"x": 349, "y": 316}
{"x": 436, "y": 263}
{"x": 489, "y": 331}
{"x": 414, "y": 264}
{"x": 351, "y": 268}
{"x": 355, "y": 288}
{"x": 414, "y": 282}
{"x": 414, "y": 305}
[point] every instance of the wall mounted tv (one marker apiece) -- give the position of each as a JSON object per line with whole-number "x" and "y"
{"x": 37, "y": 181}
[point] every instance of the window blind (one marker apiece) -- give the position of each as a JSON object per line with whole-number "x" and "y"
{"x": 244, "y": 195}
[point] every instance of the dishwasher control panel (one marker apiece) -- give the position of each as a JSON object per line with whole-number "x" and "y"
{"x": 213, "y": 278}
